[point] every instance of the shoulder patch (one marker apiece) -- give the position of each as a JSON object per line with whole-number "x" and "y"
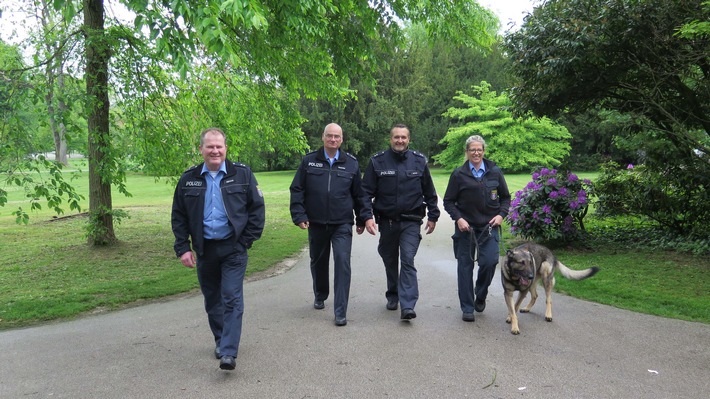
{"x": 190, "y": 168}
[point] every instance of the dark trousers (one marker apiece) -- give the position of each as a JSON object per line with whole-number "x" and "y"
{"x": 320, "y": 239}
{"x": 466, "y": 251}
{"x": 220, "y": 271}
{"x": 400, "y": 241}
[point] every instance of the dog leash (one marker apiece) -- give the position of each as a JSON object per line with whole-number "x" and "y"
{"x": 474, "y": 240}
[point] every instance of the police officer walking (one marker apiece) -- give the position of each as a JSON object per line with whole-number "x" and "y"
{"x": 325, "y": 191}
{"x": 477, "y": 199}
{"x": 399, "y": 182}
{"x": 218, "y": 205}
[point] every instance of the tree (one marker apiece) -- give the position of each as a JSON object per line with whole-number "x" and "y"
{"x": 626, "y": 55}
{"x": 310, "y": 47}
{"x": 648, "y": 61}
{"x": 516, "y": 144}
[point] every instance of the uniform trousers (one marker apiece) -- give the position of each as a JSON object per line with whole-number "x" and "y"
{"x": 320, "y": 239}
{"x": 220, "y": 271}
{"x": 399, "y": 240}
{"x": 483, "y": 247}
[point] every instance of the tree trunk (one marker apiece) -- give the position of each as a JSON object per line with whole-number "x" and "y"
{"x": 101, "y": 230}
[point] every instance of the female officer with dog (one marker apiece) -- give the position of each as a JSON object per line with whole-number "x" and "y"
{"x": 477, "y": 199}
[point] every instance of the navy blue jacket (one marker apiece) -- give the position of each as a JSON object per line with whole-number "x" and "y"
{"x": 323, "y": 194}
{"x": 477, "y": 201}
{"x": 400, "y": 184}
{"x": 243, "y": 202}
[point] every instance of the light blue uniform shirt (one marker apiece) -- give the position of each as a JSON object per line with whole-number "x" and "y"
{"x": 478, "y": 174}
{"x": 215, "y": 223}
{"x": 332, "y": 160}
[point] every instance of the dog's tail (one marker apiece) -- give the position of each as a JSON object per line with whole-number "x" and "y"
{"x": 576, "y": 274}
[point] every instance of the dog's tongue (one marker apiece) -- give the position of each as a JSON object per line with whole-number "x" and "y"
{"x": 524, "y": 281}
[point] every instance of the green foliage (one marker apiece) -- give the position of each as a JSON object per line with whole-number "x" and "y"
{"x": 515, "y": 144}
{"x": 551, "y": 207}
{"x": 623, "y": 55}
{"x": 679, "y": 207}
{"x": 41, "y": 180}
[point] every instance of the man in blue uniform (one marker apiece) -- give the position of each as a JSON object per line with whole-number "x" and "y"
{"x": 477, "y": 199}
{"x": 399, "y": 182}
{"x": 325, "y": 191}
{"x": 218, "y": 205}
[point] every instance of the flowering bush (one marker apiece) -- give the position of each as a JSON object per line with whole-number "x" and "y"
{"x": 551, "y": 207}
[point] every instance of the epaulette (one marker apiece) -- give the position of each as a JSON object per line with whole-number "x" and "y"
{"x": 419, "y": 154}
{"x": 239, "y": 164}
{"x": 190, "y": 168}
{"x": 312, "y": 152}
{"x": 379, "y": 154}
{"x": 351, "y": 156}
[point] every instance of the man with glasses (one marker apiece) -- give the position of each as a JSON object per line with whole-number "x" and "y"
{"x": 325, "y": 192}
{"x": 477, "y": 199}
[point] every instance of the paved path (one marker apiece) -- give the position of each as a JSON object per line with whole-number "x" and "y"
{"x": 290, "y": 350}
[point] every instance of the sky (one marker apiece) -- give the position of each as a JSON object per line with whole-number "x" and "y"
{"x": 509, "y": 11}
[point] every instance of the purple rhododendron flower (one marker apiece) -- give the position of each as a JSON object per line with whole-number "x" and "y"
{"x": 546, "y": 208}
{"x": 552, "y": 181}
{"x": 548, "y": 220}
{"x": 581, "y": 200}
{"x": 530, "y": 185}
{"x": 554, "y": 194}
{"x": 630, "y": 166}
{"x": 563, "y": 191}
{"x": 574, "y": 205}
{"x": 572, "y": 177}
{"x": 535, "y": 216}
{"x": 544, "y": 171}
{"x": 587, "y": 182}
{"x": 535, "y": 176}
{"x": 582, "y": 194}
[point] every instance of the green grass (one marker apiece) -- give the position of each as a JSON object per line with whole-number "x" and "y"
{"x": 47, "y": 271}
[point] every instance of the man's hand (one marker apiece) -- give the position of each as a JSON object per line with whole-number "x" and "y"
{"x": 304, "y": 225}
{"x": 369, "y": 226}
{"x": 430, "y": 226}
{"x": 188, "y": 259}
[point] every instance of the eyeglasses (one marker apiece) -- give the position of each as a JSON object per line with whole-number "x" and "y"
{"x": 474, "y": 150}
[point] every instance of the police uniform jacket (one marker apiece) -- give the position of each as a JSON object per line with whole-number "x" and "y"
{"x": 401, "y": 186}
{"x": 477, "y": 201}
{"x": 325, "y": 194}
{"x": 243, "y": 203}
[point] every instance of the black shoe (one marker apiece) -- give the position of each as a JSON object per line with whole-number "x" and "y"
{"x": 468, "y": 317}
{"x": 318, "y": 304}
{"x": 217, "y": 353}
{"x": 479, "y": 306}
{"x": 340, "y": 321}
{"x": 408, "y": 314}
{"x": 227, "y": 363}
{"x": 392, "y": 304}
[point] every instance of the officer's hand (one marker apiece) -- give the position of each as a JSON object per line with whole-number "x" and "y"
{"x": 496, "y": 221}
{"x": 430, "y": 226}
{"x": 188, "y": 259}
{"x": 462, "y": 224}
{"x": 303, "y": 225}
{"x": 370, "y": 226}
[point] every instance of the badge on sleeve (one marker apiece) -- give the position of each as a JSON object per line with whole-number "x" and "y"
{"x": 494, "y": 195}
{"x": 258, "y": 190}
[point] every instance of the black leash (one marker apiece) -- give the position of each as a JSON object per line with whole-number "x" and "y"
{"x": 484, "y": 236}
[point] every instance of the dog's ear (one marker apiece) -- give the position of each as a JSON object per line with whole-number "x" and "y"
{"x": 509, "y": 253}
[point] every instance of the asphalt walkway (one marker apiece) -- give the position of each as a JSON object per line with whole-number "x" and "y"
{"x": 290, "y": 350}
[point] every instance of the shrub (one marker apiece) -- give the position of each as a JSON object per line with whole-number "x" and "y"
{"x": 674, "y": 199}
{"x": 551, "y": 207}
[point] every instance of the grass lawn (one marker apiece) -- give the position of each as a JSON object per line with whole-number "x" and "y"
{"x": 48, "y": 272}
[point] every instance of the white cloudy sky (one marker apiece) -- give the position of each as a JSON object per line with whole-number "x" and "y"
{"x": 509, "y": 11}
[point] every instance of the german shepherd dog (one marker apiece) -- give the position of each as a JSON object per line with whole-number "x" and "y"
{"x": 522, "y": 268}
